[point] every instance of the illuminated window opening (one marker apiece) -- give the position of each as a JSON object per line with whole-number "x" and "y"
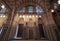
{"x": 39, "y": 10}
{"x": 30, "y": 9}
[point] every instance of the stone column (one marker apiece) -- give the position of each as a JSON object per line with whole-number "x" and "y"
{"x": 50, "y": 21}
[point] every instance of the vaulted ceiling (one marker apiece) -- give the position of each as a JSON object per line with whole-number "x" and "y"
{"x": 20, "y": 3}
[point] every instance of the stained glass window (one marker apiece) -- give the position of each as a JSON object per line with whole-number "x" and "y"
{"x": 39, "y": 10}
{"x": 30, "y": 9}
{"x": 2, "y": 10}
{"x": 22, "y": 10}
